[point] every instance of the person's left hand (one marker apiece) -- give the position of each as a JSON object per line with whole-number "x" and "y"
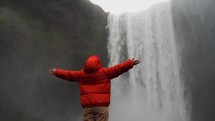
{"x": 52, "y": 71}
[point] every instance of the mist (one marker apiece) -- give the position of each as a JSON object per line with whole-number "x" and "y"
{"x": 195, "y": 28}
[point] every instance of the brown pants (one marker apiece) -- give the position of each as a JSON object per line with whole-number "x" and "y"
{"x": 95, "y": 114}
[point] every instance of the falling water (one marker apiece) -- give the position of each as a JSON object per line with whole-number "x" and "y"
{"x": 152, "y": 90}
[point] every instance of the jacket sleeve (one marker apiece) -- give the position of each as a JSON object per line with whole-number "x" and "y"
{"x": 67, "y": 75}
{"x": 115, "y": 71}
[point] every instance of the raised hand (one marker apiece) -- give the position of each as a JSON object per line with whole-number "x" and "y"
{"x": 135, "y": 62}
{"x": 52, "y": 71}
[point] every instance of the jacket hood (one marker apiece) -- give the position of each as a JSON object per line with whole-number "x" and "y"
{"x": 92, "y": 64}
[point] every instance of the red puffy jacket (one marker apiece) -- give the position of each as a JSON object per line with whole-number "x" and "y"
{"x": 94, "y": 80}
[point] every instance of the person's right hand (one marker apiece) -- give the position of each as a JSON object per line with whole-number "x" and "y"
{"x": 52, "y": 71}
{"x": 135, "y": 62}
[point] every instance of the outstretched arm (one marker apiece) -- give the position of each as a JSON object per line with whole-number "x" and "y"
{"x": 115, "y": 71}
{"x": 65, "y": 74}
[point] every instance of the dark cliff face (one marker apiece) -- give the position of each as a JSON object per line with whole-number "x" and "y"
{"x": 36, "y": 35}
{"x": 194, "y": 22}
{"x": 77, "y": 25}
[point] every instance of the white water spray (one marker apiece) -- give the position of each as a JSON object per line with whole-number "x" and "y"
{"x": 153, "y": 90}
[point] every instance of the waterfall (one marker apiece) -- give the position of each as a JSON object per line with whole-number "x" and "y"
{"x": 152, "y": 90}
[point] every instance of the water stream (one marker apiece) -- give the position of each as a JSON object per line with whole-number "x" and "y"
{"x": 153, "y": 90}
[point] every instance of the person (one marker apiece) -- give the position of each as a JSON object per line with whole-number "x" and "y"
{"x": 94, "y": 83}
